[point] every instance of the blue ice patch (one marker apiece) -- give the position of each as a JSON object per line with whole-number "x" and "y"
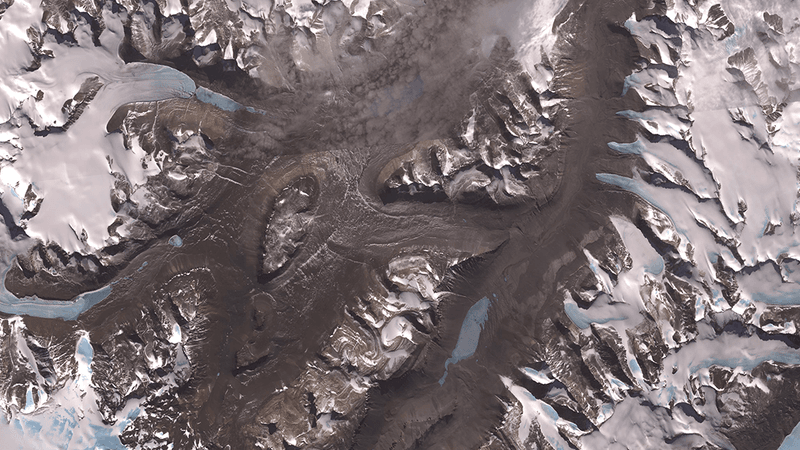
{"x": 747, "y": 362}
{"x": 167, "y": 82}
{"x": 218, "y": 100}
{"x": 106, "y": 438}
{"x": 633, "y": 186}
{"x": 86, "y": 352}
{"x": 223, "y": 102}
{"x": 655, "y": 266}
{"x": 29, "y": 398}
{"x": 163, "y": 81}
{"x": 581, "y": 320}
{"x": 630, "y": 81}
{"x": 633, "y": 148}
{"x": 577, "y": 316}
{"x": 550, "y": 411}
{"x": 788, "y": 296}
{"x": 68, "y": 428}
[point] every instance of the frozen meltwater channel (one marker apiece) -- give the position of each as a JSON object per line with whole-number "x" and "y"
{"x": 71, "y": 170}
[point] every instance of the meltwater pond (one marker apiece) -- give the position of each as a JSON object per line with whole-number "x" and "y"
{"x": 470, "y": 334}
{"x": 176, "y": 241}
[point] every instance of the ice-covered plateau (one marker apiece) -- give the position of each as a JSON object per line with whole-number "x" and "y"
{"x": 687, "y": 323}
{"x": 685, "y": 318}
{"x": 291, "y": 268}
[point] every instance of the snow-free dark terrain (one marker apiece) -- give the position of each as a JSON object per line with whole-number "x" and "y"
{"x": 386, "y": 224}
